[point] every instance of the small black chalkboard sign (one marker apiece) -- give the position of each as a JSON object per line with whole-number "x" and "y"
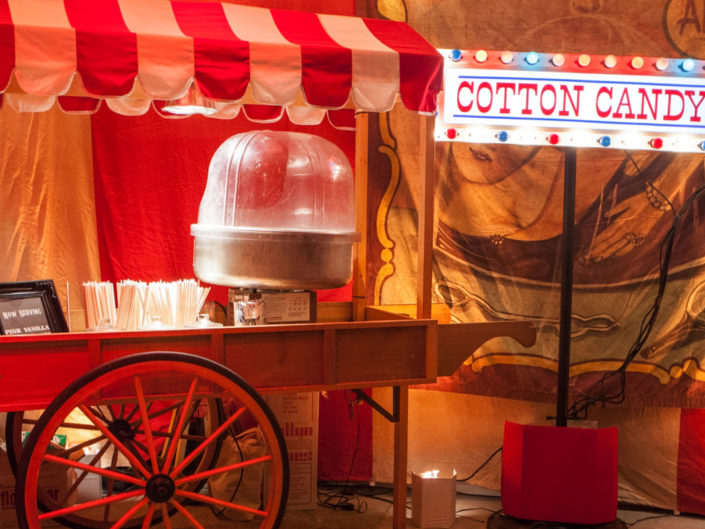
{"x": 30, "y": 307}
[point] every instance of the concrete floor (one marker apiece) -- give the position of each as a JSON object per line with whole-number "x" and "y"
{"x": 472, "y": 512}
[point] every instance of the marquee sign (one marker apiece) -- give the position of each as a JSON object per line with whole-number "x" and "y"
{"x": 576, "y": 100}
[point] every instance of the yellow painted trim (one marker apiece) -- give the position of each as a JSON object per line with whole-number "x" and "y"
{"x": 610, "y": 365}
{"x": 392, "y": 9}
{"x": 478, "y": 364}
{"x": 388, "y": 148}
{"x": 386, "y": 201}
{"x": 690, "y": 366}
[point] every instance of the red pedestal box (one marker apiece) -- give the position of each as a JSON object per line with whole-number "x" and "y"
{"x": 559, "y": 474}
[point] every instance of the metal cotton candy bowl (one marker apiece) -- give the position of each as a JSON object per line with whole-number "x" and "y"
{"x": 277, "y": 213}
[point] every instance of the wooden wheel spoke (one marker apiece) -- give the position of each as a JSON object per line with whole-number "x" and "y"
{"x": 152, "y": 415}
{"x": 111, "y": 483}
{"x": 151, "y": 450}
{"x": 183, "y": 436}
{"x": 78, "y": 426}
{"x": 208, "y": 440}
{"x": 220, "y": 470}
{"x": 81, "y": 446}
{"x": 89, "y": 504}
{"x": 111, "y": 412}
{"x": 137, "y": 450}
{"x": 130, "y": 513}
{"x": 165, "y": 517}
{"x": 202, "y": 498}
{"x": 139, "y": 447}
{"x": 123, "y": 449}
{"x": 134, "y": 410}
{"x": 95, "y": 470}
{"x": 83, "y": 475}
{"x": 148, "y": 518}
{"x": 186, "y": 514}
{"x": 98, "y": 413}
{"x": 171, "y": 452}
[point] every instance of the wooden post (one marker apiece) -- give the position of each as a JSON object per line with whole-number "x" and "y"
{"x": 423, "y": 308}
{"x": 425, "y": 210}
{"x": 401, "y": 446}
{"x": 362, "y": 123}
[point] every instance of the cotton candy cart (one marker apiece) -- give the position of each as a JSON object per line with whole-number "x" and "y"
{"x": 156, "y": 418}
{"x": 154, "y": 407}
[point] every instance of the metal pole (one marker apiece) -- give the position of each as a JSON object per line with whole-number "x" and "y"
{"x": 569, "y": 172}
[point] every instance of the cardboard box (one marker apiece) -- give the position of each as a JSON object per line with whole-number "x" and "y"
{"x": 55, "y": 481}
{"x": 432, "y": 500}
{"x": 297, "y": 414}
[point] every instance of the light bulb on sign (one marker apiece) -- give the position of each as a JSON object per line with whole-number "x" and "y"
{"x": 637, "y": 63}
{"x": 506, "y": 57}
{"x": 661, "y": 64}
{"x": 688, "y": 65}
{"x": 531, "y": 58}
{"x": 558, "y": 59}
{"x": 610, "y": 61}
{"x": 584, "y": 60}
{"x": 480, "y": 55}
{"x": 456, "y": 55}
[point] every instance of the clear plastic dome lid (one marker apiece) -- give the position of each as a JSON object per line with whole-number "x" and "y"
{"x": 279, "y": 181}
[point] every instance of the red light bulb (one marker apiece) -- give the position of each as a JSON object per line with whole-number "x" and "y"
{"x": 656, "y": 143}
{"x": 451, "y": 133}
{"x": 553, "y": 139}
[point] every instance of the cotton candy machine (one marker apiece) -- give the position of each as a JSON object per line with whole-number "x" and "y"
{"x": 277, "y": 213}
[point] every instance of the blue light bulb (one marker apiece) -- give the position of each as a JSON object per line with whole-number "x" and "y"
{"x": 503, "y": 136}
{"x": 605, "y": 141}
{"x": 531, "y": 58}
{"x": 688, "y": 65}
{"x": 456, "y": 55}
{"x": 702, "y": 145}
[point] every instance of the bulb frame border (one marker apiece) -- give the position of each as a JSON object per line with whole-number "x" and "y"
{"x": 667, "y": 71}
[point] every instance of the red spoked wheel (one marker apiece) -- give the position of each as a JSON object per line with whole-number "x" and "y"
{"x": 84, "y": 435}
{"x": 17, "y": 424}
{"x": 150, "y": 471}
{"x": 77, "y": 435}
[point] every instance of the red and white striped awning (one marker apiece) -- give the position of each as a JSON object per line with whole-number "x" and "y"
{"x": 137, "y": 53}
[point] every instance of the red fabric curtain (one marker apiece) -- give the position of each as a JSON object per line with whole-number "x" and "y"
{"x": 150, "y": 174}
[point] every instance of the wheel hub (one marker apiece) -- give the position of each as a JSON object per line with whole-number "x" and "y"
{"x": 160, "y": 488}
{"x": 121, "y": 429}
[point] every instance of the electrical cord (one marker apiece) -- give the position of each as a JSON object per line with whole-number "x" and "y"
{"x": 345, "y": 498}
{"x": 457, "y": 513}
{"x": 600, "y": 392}
{"x": 341, "y": 499}
{"x": 483, "y": 465}
{"x": 632, "y": 524}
